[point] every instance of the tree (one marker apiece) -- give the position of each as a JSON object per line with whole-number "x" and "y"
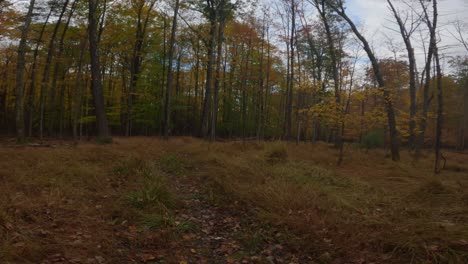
{"x": 96, "y": 79}
{"x": 432, "y": 27}
{"x": 48, "y": 64}
{"x": 32, "y": 85}
{"x": 322, "y": 9}
{"x": 406, "y": 35}
{"x": 394, "y": 140}
{"x": 140, "y": 7}
{"x": 224, "y": 10}
{"x": 167, "y": 108}
{"x": 20, "y": 68}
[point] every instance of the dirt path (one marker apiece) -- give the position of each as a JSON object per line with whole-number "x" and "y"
{"x": 226, "y": 234}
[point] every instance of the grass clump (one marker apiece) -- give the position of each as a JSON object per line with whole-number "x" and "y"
{"x": 156, "y": 194}
{"x": 132, "y": 166}
{"x": 153, "y": 221}
{"x": 171, "y": 164}
{"x": 277, "y": 153}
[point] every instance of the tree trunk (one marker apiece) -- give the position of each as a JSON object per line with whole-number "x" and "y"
{"x": 426, "y": 100}
{"x": 20, "y": 69}
{"x": 209, "y": 77}
{"x": 54, "y": 105}
{"x": 32, "y": 85}
{"x": 167, "y": 106}
{"x": 78, "y": 92}
{"x": 289, "y": 107}
{"x": 46, "y": 74}
{"x": 412, "y": 74}
{"x": 217, "y": 79}
{"x": 440, "y": 113}
{"x": 96, "y": 80}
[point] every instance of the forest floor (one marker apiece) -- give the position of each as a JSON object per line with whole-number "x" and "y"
{"x": 145, "y": 200}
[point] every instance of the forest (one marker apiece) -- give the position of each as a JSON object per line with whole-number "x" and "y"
{"x": 233, "y": 131}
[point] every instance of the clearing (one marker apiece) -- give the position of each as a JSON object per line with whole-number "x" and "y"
{"x": 145, "y": 200}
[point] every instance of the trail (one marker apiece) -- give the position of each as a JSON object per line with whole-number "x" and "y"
{"x": 225, "y": 234}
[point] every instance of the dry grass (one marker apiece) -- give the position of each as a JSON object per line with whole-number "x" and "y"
{"x": 370, "y": 208}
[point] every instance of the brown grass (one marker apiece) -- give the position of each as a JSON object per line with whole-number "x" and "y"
{"x": 54, "y": 199}
{"x": 369, "y": 208}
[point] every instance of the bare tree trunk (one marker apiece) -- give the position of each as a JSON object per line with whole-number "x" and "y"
{"x": 167, "y": 108}
{"x": 464, "y": 125}
{"x": 20, "y": 68}
{"x": 412, "y": 73}
{"x": 96, "y": 80}
{"x": 440, "y": 112}
{"x": 431, "y": 50}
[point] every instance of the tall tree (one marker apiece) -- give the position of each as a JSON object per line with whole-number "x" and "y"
{"x": 143, "y": 10}
{"x": 322, "y": 9}
{"x": 432, "y": 27}
{"x": 96, "y": 79}
{"x": 406, "y": 35}
{"x": 59, "y": 67}
{"x": 167, "y": 107}
{"x": 289, "y": 103}
{"x": 20, "y": 68}
{"x": 32, "y": 85}
{"x": 48, "y": 63}
{"x": 338, "y": 7}
{"x": 224, "y": 10}
{"x": 208, "y": 9}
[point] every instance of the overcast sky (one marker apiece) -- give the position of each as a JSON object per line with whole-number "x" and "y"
{"x": 377, "y": 22}
{"x": 378, "y": 25}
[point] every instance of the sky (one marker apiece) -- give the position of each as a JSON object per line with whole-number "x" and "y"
{"x": 378, "y": 25}
{"x": 376, "y": 22}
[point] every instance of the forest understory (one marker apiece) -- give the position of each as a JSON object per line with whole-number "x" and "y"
{"x": 146, "y": 200}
